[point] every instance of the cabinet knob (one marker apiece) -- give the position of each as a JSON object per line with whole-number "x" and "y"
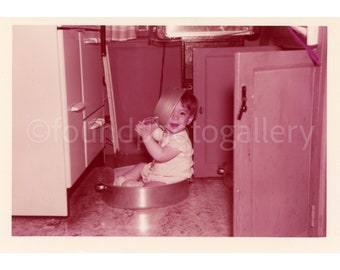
{"x": 221, "y": 171}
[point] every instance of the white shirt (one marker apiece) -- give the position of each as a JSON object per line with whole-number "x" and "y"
{"x": 177, "y": 169}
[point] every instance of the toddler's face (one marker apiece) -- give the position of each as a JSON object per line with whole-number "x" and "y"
{"x": 179, "y": 119}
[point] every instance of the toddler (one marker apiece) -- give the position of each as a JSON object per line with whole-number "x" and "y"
{"x": 169, "y": 146}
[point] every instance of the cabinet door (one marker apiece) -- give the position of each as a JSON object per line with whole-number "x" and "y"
{"x": 273, "y": 143}
{"x": 70, "y": 69}
{"x": 213, "y": 83}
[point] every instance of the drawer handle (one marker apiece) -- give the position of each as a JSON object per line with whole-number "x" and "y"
{"x": 99, "y": 122}
{"x": 77, "y": 107}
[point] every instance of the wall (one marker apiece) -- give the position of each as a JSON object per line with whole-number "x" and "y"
{"x": 136, "y": 68}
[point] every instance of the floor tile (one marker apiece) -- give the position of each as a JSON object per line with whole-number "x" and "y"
{"x": 207, "y": 211}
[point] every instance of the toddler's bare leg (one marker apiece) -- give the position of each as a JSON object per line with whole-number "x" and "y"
{"x": 135, "y": 172}
{"x": 122, "y": 170}
{"x": 132, "y": 174}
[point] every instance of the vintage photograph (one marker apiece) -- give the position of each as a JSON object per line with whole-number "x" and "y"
{"x": 170, "y": 130}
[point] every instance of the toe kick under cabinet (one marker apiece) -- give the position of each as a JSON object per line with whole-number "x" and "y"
{"x": 58, "y": 116}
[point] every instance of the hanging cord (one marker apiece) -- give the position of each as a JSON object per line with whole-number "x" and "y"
{"x": 162, "y": 71}
{"x": 310, "y": 51}
{"x": 103, "y": 40}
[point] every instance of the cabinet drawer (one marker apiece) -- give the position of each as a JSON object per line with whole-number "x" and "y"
{"x": 94, "y": 135}
{"x": 71, "y": 91}
{"x": 92, "y": 76}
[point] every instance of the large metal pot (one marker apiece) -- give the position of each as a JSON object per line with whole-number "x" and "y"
{"x": 144, "y": 197}
{"x": 152, "y": 195}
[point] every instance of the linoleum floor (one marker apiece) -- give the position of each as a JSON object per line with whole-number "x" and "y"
{"x": 207, "y": 211}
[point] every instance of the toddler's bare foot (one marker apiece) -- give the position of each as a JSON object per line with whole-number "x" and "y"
{"x": 133, "y": 184}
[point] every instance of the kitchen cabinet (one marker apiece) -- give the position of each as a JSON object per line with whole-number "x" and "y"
{"x": 213, "y": 85}
{"x": 277, "y": 193}
{"x": 262, "y": 116}
{"x": 83, "y": 93}
{"x": 58, "y": 116}
{"x": 273, "y": 143}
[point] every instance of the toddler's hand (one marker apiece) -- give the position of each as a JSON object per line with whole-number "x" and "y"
{"x": 144, "y": 130}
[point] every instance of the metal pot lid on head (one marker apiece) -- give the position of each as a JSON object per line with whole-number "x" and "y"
{"x": 166, "y": 104}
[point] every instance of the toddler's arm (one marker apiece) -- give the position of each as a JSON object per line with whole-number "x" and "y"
{"x": 161, "y": 154}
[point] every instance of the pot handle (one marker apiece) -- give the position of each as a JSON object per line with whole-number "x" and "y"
{"x": 100, "y": 187}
